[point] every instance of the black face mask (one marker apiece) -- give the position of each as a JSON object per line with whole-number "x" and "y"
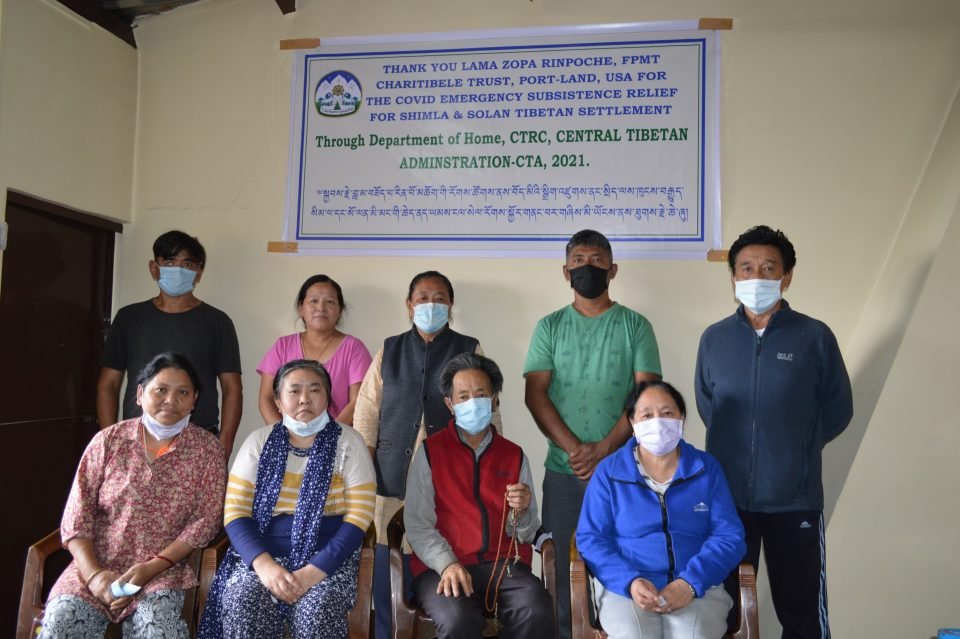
{"x": 589, "y": 280}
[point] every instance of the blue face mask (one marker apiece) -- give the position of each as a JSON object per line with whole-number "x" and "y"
{"x": 430, "y": 318}
{"x": 176, "y": 281}
{"x": 306, "y": 429}
{"x": 758, "y": 295}
{"x": 474, "y": 414}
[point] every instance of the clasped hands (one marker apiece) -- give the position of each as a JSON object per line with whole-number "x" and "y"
{"x": 286, "y": 586}
{"x": 674, "y": 596}
{"x": 138, "y": 575}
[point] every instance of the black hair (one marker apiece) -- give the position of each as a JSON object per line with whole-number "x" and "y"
{"x": 298, "y": 364}
{"x": 588, "y": 237}
{"x": 320, "y": 279}
{"x": 169, "y": 360}
{"x": 764, "y": 236}
{"x": 467, "y": 362}
{"x": 429, "y": 275}
{"x": 172, "y": 242}
{"x": 630, "y": 404}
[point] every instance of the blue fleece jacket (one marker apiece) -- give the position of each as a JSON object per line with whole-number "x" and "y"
{"x": 770, "y": 404}
{"x": 626, "y": 531}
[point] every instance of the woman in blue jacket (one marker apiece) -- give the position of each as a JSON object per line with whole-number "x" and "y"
{"x": 658, "y": 529}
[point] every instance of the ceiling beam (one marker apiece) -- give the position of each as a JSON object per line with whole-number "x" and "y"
{"x": 287, "y": 6}
{"x": 110, "y": 21}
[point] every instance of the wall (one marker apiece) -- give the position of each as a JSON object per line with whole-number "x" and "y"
{"x": 67, "y": 109}
{"x": 832, "y": 117}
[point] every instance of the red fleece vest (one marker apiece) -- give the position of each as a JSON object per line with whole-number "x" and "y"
{"x": 469, "y": 496}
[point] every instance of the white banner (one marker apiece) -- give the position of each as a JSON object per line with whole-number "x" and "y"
{"x": 506, "y": 143}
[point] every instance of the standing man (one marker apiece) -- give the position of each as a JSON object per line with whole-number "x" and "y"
{"x": 582, "y": 363}
{"x": 772, "y": 390}
{"x": 175, "y": 320}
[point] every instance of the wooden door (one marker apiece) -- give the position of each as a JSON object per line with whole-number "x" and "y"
{"x": 55, "y": 298}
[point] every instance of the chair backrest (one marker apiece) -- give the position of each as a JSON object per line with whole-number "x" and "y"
{"x": 32, "y": 605}
{"x": 748, "y": 621}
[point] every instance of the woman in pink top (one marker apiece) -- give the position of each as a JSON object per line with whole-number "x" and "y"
{"x": 320, "y": 305}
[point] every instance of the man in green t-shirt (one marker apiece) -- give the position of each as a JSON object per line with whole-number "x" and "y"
{"x": 583, "y": 361}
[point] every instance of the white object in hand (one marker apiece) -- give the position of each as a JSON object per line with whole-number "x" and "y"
{"x": 123, "y": 590}
{"x": 662, "y": 602}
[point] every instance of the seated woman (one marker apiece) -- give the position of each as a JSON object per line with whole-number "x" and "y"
{"x": 147, "y": 492}
{"x": 658, "y": 529}
{"x": 300, "y": 497}
{"x": 320, "y": 306}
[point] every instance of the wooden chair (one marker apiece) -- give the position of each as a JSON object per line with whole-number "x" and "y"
{"x": 748, "y": 620}
{"x": 411, "y": 622}
{"x": 359, "y": 619}
{"x": 36, "y": 581}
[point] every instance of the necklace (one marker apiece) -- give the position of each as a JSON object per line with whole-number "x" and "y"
{"x": 326, "y": 344}
{"x": 515, "y": 545}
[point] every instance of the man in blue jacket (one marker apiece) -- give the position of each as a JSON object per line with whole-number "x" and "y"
{"x": 772, "y": 391}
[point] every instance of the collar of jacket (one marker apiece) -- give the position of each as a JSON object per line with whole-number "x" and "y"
{"x": 779, "y": 317}
{"x": 623, "y": 465}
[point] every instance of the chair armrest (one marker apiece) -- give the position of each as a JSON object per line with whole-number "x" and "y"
{"x": 548, "y": 567}
{"x": 31, "y": 604}
{"x": 749, "y": 627}
{"x": 404, "y": 615}
{"x": 210, "y": 558}
{"x": 579, "y": 596}
{"x": 359, "y": 618}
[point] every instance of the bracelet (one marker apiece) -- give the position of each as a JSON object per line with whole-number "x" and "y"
{"x": 165, "y": 559}
{"x": 90, "y": 578}
{"x": 693, "y": 591}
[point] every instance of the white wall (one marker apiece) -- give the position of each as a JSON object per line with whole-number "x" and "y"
{"x": 836, "y": 127}
{"x": 68, "y": 92}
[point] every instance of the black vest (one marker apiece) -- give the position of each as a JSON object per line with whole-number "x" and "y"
{"x": 411, "y": 389}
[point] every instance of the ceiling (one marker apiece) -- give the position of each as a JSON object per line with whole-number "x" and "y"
{"x": 118, "y": 16}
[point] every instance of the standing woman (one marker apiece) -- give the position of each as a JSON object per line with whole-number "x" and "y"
{"x": 400, "y": 404}
{"x": 320, "y": 305}
{"x": 299, "y": 501}
{"x": 147, "y": 492}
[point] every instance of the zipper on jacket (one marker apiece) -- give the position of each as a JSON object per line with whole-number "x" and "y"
{"x": 484, "y": 516}
{"x": 753, "y": 426}
{"x": 672, "y": 565}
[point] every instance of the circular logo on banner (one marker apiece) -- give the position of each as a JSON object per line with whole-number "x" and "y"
{"x": 338, "y": 93}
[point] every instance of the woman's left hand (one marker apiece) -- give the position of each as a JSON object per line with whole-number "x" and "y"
{"x": 309, "y": 576}
{"x": 139, "y": 575}
{"x": 518, "y": 496}
{"x": 677, "y": 595}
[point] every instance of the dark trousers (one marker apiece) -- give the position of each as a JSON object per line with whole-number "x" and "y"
{"x": 562, "y": 499}
{"x": 382, "y": 604}
{"x": 524, "y": 605}
{"x": 795, "y": 556}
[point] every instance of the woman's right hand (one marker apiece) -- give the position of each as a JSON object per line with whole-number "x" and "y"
{"x": 644, "y": 594}
{"x": 277, "y": 579}
{"x": 99, "y": 587}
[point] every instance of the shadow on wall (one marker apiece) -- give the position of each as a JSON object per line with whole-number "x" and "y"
{"x": 868, "y": 383}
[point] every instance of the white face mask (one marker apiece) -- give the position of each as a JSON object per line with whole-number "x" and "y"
{"x": 758, "y": 295}
{"x": 659, "y": 435}
{"x": 162, "y": 431}
{"x": 431, "y": 317}
{"x": 306, "y": 429}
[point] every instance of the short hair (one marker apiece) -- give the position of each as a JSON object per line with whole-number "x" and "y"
{"x": 429, "y": 275}
{"x": 469, "y": 362}
{"x": 167, "y": 360}
{"x": 588, "y": 237}
{"x": 629, "y": 405}
{"x": 301, "y": 364}
{"x": 320, "y": 279}
{"x": 172, "y": 242}
{"x": 764, "y": 236}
